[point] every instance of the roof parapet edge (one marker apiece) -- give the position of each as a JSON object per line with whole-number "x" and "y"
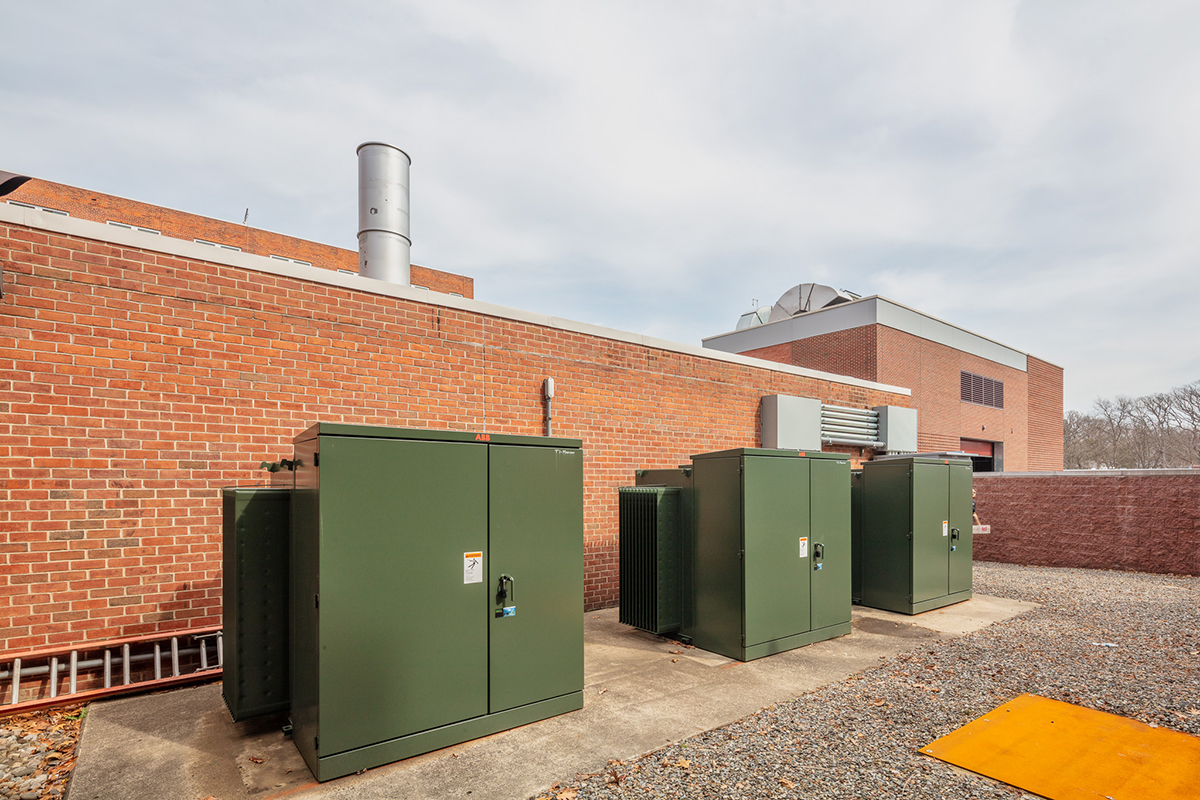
{"x": 109, "y": 234}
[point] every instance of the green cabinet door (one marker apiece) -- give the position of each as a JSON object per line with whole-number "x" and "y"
{"x": 960, "y": 521}
{"x": 777, "y": 548}
{"x": 536, "y": 539}
{"x": 931, "y": 532}
{"x": 403, "y": 632}
{"x": 830, "y": 547}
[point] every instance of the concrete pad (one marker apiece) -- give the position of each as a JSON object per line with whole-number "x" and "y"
{"x": 956, "y": 620}
{"x": 641, "y": 692}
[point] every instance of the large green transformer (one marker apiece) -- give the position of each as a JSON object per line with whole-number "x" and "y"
{"x": 437, "y": 589}
{"x": 770, "y": 551}
{"x": 254, "y": 610}
{"x": 916, "y": 532}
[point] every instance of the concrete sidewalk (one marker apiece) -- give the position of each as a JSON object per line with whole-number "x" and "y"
{"x": 639, "y": 695}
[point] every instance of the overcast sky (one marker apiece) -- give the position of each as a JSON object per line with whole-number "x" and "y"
{"x": 1029, "y": 171}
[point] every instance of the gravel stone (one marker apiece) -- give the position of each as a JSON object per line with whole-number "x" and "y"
{"x": 37, "y": 752}
{"x": 859, "y": 738}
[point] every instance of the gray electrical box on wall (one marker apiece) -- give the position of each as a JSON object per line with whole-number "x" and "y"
{"x": 791, "y": 423}
{"x": 898, "y": 428}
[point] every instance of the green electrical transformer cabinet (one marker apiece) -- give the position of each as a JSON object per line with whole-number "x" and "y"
{"x": 437, "y": 589}
{"x": 916, "y": 532}
{"x": 771, "y": 551}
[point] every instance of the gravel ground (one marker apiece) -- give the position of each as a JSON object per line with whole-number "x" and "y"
{"x": 37, "y": 753}
{"x": 859, "y": 738}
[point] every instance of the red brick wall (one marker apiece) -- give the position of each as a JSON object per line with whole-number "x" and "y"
{"x": 1045, "y": 415}
{"x": 1104, "y": 520}
{"x": 100, "y": 207}
{"x": 134, "y": 385}
{"x": 932, "y": 372}
{"x": 776, "y": 352}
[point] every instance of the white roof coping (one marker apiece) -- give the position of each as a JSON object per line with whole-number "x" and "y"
{"x": 871, "y": 310}
{"x": 111, "y": 234}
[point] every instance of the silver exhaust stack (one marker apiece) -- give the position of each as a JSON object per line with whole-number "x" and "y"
{"x": 383, "y": 242}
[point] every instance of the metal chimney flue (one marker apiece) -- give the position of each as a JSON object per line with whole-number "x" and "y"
{"x": 383, "y": 241}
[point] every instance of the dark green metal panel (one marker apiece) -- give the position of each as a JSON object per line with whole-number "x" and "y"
{"x": 931, "y": 532}
{"x": 886, "y": 524}
{"x": 536, "y": 538}
{"x": 651, "y": 558}
{"x": 856, "y": 535}
{"x": 960, "y": 520}
{"x": 403, "y": 636}
{"x": 255, "y": 577}
{"x": 830, "y": 547}
{"x": 718, "y": 567}
{"x": 777, "y": 548}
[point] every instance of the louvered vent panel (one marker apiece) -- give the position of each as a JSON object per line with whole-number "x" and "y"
{"x": 651, "y": 558}
{"x": 982, "y": 391}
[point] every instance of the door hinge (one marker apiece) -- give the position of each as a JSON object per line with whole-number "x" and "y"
{"x": 316, "y": 459}
{"x": 740, "y": 469}
{"x": 316, "y": 601}
{"x": 316, "y": 743}
{"x": 741, "y": 554}
{"x": 742, "y": 639}
{"x": 909, "y": 535}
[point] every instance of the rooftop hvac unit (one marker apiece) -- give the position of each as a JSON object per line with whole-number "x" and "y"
{"x": 651, "y": 556}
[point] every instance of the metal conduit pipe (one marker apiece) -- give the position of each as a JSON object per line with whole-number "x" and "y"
{"x": 850, "y": 426}
{"x": 847, "y": 415}
{"x": 89, "y": 663}
{"x": 844, "y": 410}
{"x": 855, "y": 443}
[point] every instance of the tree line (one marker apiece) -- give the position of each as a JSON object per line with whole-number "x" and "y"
{"x": 1155, "y": 431}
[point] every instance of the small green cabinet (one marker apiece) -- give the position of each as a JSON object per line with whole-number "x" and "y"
{"x": 915, "y": 532}
{"x": 770, "y": 550}
{"x": 437, "y": 589}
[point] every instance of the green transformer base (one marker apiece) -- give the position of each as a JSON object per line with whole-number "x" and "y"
{"x": 437, "y": 589}
{"x": 915, "y": 534}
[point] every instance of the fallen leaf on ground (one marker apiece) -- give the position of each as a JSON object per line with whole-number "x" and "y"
{"x": 677, "y": 652}
{"x": 683, "y": 762}
{"x": 788, "y": 784}
{"x": 674, "y": 660}
{"x": 257, "y": 759}
{"x": 566, "y": 794}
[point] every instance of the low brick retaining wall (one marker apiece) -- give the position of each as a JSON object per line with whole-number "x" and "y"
{"x": 1134, "y": 520}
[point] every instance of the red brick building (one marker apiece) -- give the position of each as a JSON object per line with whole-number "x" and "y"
{"x": 145, "y": 364}
{"x": 970, "y": 392}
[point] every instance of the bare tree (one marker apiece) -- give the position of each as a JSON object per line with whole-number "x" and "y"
{"x": 1155, "y": 431}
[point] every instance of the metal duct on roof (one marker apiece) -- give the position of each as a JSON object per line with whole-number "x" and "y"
{"x": 383, "y": 237}
{"x": 10, "y": 182}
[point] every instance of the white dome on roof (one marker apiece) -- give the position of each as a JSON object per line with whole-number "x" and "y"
{"x": 807, "y": 297}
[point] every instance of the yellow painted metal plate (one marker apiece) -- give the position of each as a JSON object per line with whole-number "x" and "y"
{"x": 1062, "y": 751}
